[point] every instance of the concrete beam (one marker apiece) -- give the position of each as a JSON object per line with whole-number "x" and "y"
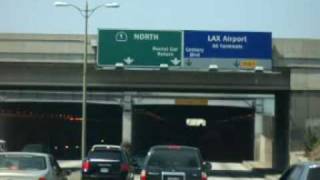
{"x": 69, "y": 75}
{"x": 305, "y": 79}
{"x": 127, "y": 120}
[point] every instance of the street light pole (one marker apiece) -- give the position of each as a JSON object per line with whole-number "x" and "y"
{"x": 86, "y": 13}
{"x": 84, "y": 86}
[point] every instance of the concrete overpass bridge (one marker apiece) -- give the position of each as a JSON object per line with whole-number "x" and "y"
{"x": 47, "y": 69}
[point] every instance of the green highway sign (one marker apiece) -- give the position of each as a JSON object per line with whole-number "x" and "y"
{"x": 139, "y": 48}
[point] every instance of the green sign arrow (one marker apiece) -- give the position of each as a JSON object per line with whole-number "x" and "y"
{"x": 139, "y": 48}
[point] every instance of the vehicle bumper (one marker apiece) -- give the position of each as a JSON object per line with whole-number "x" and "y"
{"x": 103, "y": 177}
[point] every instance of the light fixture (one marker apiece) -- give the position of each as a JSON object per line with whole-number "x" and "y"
{"x": 164, "y": 66}
{"x": 213, "y": 67}
{"x": 259, "y": 69}
{"x": 119, "y": 66}
{"x": 85, "y": 13}
{"x": 61, "y": 4}
{"x": 112, "y": 5}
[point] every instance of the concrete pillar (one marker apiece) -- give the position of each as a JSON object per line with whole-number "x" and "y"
{"x": 127, "y": 120}
{"x": 258, "y": 136}
{"x": 281, "y": 132}
{"x": 258, "y": 124}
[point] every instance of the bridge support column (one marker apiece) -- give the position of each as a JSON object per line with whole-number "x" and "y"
{"x": 127, "y": 120}
{"x": 281, "y": 132}
{"x": 258, "y": 138}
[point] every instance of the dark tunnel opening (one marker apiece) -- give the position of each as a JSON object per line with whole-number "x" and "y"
{"x": 57, "y": 126}
{"x": 223, "y": 134}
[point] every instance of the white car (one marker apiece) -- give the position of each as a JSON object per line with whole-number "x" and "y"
{"x": 29, "y": 166}
{"x": 304, "y": 171}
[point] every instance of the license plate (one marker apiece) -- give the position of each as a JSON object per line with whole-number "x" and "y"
{"x": 173, "y": 178}
{"x": 104, "y": 170}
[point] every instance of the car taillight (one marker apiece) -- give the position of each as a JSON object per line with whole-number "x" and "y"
{"x": 124, "y": 167}
{"x": 143, "y": 175}
{"x": 42, "y": 178}
{"x": 85, "y": 166}
{"x": 204, "y": 176}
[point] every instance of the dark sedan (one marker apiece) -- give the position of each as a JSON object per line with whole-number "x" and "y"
{"x": 107, "y": 162}
{"x": 174, "y": 163}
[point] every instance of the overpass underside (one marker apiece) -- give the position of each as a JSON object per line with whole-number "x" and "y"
{"x": 141, "y": 106}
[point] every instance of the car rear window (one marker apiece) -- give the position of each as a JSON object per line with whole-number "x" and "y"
{"x": 22, "y": 162}
{"x": 166, "y": 158}
{"x": 105, "y": 154}
{"x": 314, "y": 174}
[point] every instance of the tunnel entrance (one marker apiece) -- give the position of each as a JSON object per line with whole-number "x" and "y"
{"x": 222, "y": 133}
{"x": 57, "y": 126}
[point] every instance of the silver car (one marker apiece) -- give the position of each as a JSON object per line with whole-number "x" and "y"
{"x": 305, "y": 171}
{"x": 29, "y": 166}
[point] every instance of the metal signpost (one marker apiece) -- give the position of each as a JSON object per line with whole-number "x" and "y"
{"x": 139, "y": 48}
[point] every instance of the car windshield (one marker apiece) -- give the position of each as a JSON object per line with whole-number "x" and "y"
{"x": 164, "y": 158}
{"x": 103, "y": 154}
{"x": 22, "y": 162}
{"x": 314, "y": 174}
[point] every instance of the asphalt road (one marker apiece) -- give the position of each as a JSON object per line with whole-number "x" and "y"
{"x": 220, "y": 171}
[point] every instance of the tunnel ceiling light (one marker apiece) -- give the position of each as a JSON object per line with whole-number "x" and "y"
{"x": 196, "y": 122}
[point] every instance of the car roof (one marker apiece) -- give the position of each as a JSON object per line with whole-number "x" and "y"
{"x": 308, "y": 164}
{"x": 173, "y": 147}
{"x": 24, "y": 153}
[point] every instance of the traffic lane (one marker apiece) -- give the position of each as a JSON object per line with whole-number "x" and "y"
{"x": 219, "y": 171}
{"x": 233, "y": 171}
{"x": 237, "y": 170}
{"x": 76, "y": 176}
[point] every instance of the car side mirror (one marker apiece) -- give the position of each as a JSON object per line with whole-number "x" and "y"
{"x": 207, "y": 166}
{"x": 67, "y": 172}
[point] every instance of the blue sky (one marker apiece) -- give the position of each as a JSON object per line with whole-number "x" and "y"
{"x": 284, "y": 18}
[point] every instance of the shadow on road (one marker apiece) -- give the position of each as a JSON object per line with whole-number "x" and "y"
{"x": 255, "y": 173}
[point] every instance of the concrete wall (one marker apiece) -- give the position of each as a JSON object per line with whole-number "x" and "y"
{"x": 305, "y": 79}
{"x": 304, "y": 114}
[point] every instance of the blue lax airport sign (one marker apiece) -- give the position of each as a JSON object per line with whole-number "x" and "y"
{"x": 219, "y": 44}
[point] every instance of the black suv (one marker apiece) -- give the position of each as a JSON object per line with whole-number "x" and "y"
{"x": 174, "y": 163}
{"x": 107, "y": 162}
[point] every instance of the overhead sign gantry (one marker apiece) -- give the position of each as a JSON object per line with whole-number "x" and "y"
{"x": 184, "y": 49}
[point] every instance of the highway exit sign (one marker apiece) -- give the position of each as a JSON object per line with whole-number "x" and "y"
{"x": 139, "y": 48}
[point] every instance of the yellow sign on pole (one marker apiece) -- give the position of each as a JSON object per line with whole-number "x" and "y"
{"x": 248, "y": 64}
{"x": 192, "y": 102}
